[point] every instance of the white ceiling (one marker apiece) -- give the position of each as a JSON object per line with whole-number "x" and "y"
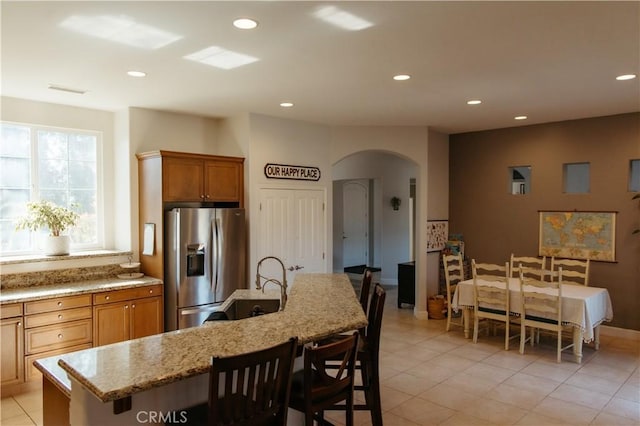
{"x": 550, "y": 61}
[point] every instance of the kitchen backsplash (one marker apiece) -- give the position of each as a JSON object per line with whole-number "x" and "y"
{"x": 60, "y": 276}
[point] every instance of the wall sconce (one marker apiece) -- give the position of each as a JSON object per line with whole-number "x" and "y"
{"x": 395, "y": 203}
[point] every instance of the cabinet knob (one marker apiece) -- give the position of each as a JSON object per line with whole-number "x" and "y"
{"x": 126, "y": 306}
{"x": 59, "y": 303}
{"x": 207, "y": 196}
{"x": 106, "y": 298}
{"x": 150, "y": 291}
{"x": 202, "y": 196}
{"x": 133, "y": 306}
{"x": 19, "y": 324}
{"x": 59, "y": 336}
{"x": 60, "y": 316}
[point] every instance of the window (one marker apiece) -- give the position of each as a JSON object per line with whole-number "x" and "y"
{"x": 576, "y": 178}
{"x": 520, "y": 180}
{"x": 634, "y": 176}
{"x": 58, "y": 165}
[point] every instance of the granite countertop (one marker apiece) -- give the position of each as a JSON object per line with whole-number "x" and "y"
{"x": 319, "y": 305}
{"x": 38, "y": 292}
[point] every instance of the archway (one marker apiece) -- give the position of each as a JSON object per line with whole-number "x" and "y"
{"x": 390, "y": 232}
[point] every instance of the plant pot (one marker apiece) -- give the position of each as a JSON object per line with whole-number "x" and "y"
{"x": 56, "y": 246}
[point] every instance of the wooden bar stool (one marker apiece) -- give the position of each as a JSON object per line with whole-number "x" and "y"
{"x": 368, "y": 359}
{"x": 251, "y": 389}
{"x": 314, "y": 389}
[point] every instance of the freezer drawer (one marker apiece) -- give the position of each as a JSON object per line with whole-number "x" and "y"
{"x": 195, "y": 316}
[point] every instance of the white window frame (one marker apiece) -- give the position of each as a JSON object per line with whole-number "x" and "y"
{"x": 35, "y": 190}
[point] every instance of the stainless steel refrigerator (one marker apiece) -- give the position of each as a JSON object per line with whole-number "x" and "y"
{"x": 205, "y": 261}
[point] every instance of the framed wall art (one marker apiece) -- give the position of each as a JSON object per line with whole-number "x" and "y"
{"x": 578, "y": 235}
{"x": 437, "y": 234}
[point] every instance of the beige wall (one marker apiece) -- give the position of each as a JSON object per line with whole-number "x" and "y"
{"x": 495, "y": 223}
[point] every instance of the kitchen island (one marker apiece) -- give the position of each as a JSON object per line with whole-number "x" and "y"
{"x": 125, "y": 383}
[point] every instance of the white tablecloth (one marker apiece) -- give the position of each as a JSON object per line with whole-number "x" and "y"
{"x": 583, "y": 307}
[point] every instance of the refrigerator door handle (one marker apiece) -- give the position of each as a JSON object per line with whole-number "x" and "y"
{"x": 215, "y": 254}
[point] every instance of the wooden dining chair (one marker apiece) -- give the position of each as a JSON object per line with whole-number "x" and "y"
{"x": 453, "y": 274}
{"x": 491, "y": 296}
{"x": 573, "y": 271}
{"x": 542, "y": 309}
{"x": 316, "y": 388}
{"x": 251, "y": 389}
{"x": 536, "y": 266}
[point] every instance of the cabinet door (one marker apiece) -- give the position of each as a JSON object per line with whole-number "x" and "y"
{"x": 223, "y": 181}
{"x": 12, "y": 361}
{"x": 146, "y": 317}
{"x": 110, "y": 323}
{"x": 182, "y": 179}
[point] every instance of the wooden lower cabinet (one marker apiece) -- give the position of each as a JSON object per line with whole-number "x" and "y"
{"x": 48, "y": 327}
{"x": 147, "y": 317}
{"x": 129, "y": 316}
{"x": 55, "y": 326}
{"x": 110, "y": 323}
{"x": 12, "y": 356}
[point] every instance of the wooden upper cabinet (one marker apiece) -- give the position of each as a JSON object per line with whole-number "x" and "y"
{"x": 201, "y": 178}
{"x": 223, "y": 180}
{"x": 183, "y": 179}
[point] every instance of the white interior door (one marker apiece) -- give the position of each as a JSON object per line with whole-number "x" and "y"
{"x": 292, "y": 228}
{"x": 355, "y": 238}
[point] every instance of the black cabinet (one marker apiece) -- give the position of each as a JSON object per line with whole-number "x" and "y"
{"x": 406, "y": 283}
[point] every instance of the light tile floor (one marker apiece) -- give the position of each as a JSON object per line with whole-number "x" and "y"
{"x": 431, "y": 377}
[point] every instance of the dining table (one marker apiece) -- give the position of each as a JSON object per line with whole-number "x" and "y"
{"x": 583, "y": 308}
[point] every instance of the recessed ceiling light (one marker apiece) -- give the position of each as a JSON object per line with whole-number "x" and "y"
{"x": 221, "y": 58}
{"x": 136, "y": 73}
{"x": 120, "y": 29}
{"x": 626, "y": 77}
{"x": 474, "y": 102}
{"x": 67, "y": 89}
{"x": 245, "y": 23}
{"x": 286, "y": 104}
{"x": 401, "y": 77}
{"x": 520, "y": 117}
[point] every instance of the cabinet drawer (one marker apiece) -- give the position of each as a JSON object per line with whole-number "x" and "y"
{"x": 49, "y": 318}
{"x": 52, "y": 337}
{"x": 32, "y": 373}
{"x": 57, "y": 304}
{"x": 12, "y": 310}
{"x": 127, "y": 294}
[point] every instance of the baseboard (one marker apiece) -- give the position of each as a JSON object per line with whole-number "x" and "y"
{"x": 624, "y": 333}
{"x": 421, "y": 315}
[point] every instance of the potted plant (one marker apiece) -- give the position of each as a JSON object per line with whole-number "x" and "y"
{"x": 45, "y": 214}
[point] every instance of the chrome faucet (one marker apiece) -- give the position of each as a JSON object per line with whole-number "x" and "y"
{"x": 282, "y": 284}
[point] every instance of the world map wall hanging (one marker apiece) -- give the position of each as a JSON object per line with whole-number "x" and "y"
{"x": 578, "y": 235}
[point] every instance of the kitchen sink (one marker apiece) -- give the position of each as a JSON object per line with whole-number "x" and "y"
{"x": 245, "y": 308}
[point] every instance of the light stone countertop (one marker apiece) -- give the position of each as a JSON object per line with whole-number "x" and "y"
{"x": 319, "y": 305}
{"x": 39, "y": 292}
